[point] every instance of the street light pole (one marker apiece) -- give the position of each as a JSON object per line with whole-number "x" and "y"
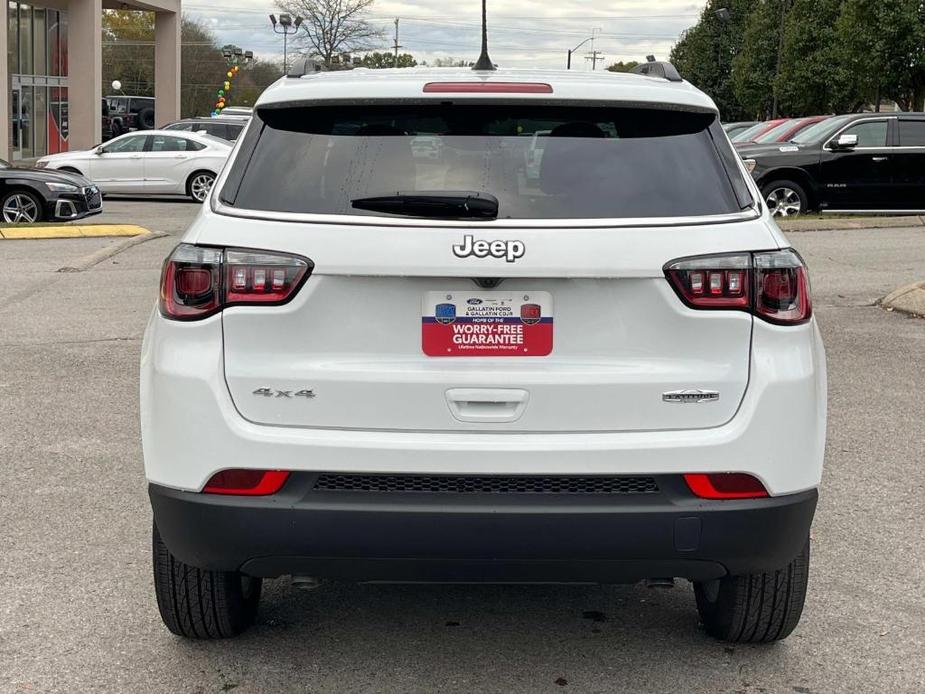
{"x": 780, "y": 51}
{"x": 569, "y": 63}
{"x": 285, "y": 26}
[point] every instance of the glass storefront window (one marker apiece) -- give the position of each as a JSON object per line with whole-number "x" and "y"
{"x": 12, "y": 38}
{"x": 40, "y": 118}
{"x": 25, "y": 40}
{"x": 26, "y": 123}
{"x": 38, "y": 42}
{"x": 62, "y": 43}
{"x": 51, "y": 43}
{"x": 36, "y": 58}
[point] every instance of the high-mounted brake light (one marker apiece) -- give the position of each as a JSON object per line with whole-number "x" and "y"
{"x": 726, "y": 485}
{"x": 487, "y": 88}
{"x": 198, "y": 282}
{"x": 246, "y": 482}
{"x": 773, "y": 285}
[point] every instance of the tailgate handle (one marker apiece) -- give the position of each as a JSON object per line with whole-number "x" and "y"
{"x": 487, "y": 405}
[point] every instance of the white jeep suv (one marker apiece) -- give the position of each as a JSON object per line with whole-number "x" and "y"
{"x": 593, "y": 360}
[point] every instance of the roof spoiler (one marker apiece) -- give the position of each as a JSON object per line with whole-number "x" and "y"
{"x": 655, "y": 68}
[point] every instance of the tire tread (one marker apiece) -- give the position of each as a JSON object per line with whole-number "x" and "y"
{"x": 757, "y": 608}
{"x": 198, "y": 603}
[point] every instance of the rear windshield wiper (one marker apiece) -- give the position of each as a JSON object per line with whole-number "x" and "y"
{"x": 436, "y": 204}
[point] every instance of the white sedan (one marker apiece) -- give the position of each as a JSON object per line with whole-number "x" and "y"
{"x": 153, "y": 162}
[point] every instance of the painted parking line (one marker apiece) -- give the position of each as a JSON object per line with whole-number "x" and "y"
{"x": 67, "y": 232}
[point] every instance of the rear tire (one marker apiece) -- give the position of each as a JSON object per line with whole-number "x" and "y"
{"x": 200, "y": 604}
{"x": 755, "y": 608}
{"x": 785, "y": 198}
{"x": 199, "y": 184}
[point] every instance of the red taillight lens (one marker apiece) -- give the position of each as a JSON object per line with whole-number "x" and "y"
{"x": 717, "y": 282}
{"x": 198, "y": 282}
{"x": 191, "y": 283}
{"x": 773, "y": 285}
{"x": 782, "y": 287}
{"x": 246, "y": 482}
{"x": 726, "y": 485}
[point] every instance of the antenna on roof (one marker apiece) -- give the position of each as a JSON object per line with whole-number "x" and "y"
{"x": 484, "y": 62}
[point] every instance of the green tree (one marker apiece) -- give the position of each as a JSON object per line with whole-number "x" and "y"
{"x": 755, "y": 65}
{"x": 883, "y": 47}
{"x": 623, "y": 67}
{"x": 813, "y": 76}
{"x": 377, "y": 60}
{"x": 705, "y": 53}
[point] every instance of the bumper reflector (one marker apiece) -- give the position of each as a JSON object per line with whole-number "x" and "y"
{"x": 246, "y": 482}
{"x": 726, "y": 485}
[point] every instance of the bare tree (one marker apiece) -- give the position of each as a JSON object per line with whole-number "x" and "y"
{"x": 333, "y": 27}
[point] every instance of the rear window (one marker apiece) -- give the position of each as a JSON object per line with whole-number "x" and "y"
{"x": 540, "y": 162}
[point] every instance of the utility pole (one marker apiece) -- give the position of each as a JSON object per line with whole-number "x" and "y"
{"x": 397, "y": 45}
{"x": 594, "y": 56}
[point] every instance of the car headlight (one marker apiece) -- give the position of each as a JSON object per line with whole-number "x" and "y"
{"x": 62, "y": 187}
{"x": 41, "y": 164}
{"x": 750, "y": 164}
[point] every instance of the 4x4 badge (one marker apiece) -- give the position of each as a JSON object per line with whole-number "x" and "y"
{"x": 509, "y": 250}
{"x": 271, "y": 393}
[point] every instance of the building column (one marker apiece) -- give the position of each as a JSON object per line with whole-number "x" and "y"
{"x": 5, "y": 134}
{"x": 85, "y": 73}
{"x": 166, "y": 67}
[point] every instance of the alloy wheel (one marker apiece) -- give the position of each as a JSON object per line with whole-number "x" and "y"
{"x": 19, "y": 208}
{"x": 784, "y": 202}
{"x": 200, "y": 186}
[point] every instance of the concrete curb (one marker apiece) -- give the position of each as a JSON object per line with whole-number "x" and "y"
{"x": 909, "y": 299}
{"x": 115, "y": 249}
{"x": 70, "y": 232}
{"x": 840, "y": 223}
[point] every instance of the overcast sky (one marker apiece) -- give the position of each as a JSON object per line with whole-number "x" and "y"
{"x": 523, "y": 33}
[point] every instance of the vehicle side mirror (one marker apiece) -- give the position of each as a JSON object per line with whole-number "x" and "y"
{"x": 100, "y": 150}
{"x": 846, "y": 142}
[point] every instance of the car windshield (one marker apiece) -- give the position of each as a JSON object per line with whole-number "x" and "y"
{"x": 819, "y": 131}
{"x": 776, "y": 132}
{"x": 539, "y": 162}
{"x": 749, "y": 133}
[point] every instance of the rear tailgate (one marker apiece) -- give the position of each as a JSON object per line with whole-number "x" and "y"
{"x": 353, "y": 336}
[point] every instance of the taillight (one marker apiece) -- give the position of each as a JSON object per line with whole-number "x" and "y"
{"x": 726, "y": 485}
{"x": 246, "y": 482}
{"x": 198, "y": 282}
{"x": 782, "y": 287}
{"x": 773, "y": 285}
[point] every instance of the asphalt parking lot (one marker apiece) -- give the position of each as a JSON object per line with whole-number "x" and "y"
{"x": 77, "y": 611}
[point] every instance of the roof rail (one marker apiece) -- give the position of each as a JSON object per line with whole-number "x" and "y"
{"x": 655, "y": 68}
{"x": 300, "y": 68}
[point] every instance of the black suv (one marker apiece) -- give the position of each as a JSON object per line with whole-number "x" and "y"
{"x": 857, "y": 162}
{"x": 125, "y": 113}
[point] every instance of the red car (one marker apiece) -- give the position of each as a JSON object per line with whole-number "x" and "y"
{"x": 787, "y": 130}
{"x": 757, "y": 130}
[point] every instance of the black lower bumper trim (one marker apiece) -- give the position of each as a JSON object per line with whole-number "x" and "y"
{"x": 499, "y": 537}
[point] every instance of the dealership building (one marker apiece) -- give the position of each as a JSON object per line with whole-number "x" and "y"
{"x": 53, "y": 73}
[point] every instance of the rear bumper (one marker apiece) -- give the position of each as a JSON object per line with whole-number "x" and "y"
{"x": 408, "y": 536}
{"x": 191, "y": 428}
